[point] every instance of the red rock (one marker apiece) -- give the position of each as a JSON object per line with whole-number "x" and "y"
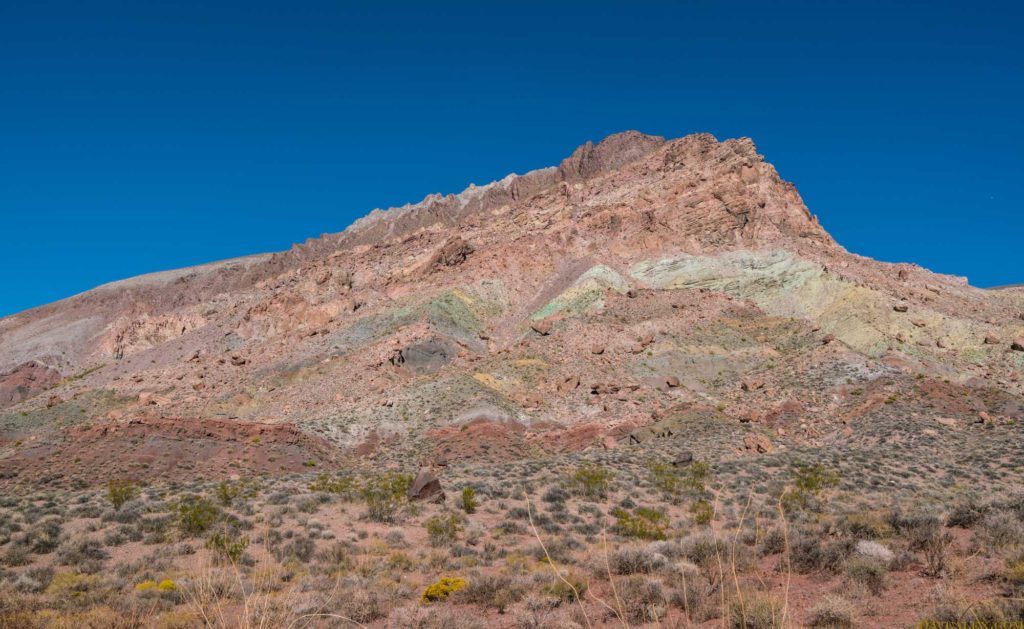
{"x": 757, "y": 442}
{"x": 542, "y": 327}
{"x": 597, "y": 349}
{"x": 426, "y": 486}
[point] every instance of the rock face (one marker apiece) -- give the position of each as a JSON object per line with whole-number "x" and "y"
{"x": 636, "y": 286}
{"x": 26, "y": 381}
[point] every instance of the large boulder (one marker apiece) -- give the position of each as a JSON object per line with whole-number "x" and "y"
{"x": 426, "y": 487}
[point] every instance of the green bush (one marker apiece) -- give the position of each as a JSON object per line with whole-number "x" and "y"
{"x": 868, "y": 573}
{"x": 345, "y": 486}
{"x": 468, "y": 501}
{"x": 809, "y": 483}
{"x": 228, "y": 546}
{"x": 591, "y": 481}
{"x": 120, "y": 492}
{"x": 385, "y": 494}
{"x": 443, "y": 528}
{"x": 702, "y": 512}
{"x": 194, "y": 515}
{"x": 642, "y": 523}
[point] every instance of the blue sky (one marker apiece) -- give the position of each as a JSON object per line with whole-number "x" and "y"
{"x": 142, "y": 136}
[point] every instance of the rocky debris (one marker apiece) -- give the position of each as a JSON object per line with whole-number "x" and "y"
{"x": 683, "y": 459}
{"x": 991, "y": 339}
{"x": 828, "y": 338}
{"x": 542, "y": 327}
{"x": 948, "y": 422}
{"x": 453, "y": 253}
{"x": 919, "y": 323}
{"x": 984, "y": 418}
{"x": 426, "y": 356}
{"x": 752, "y": 383}
{"x": 609, "y": 442}
{"x": 238, "y": 361}
{"x": 53, "y": 401}
{"x": 758, "y": 443}
{"x": 570, "y": 383}
{"x": 1017, "y": 345}
{"x": 426, "y": 487}
{"x": 672, "y": 382}
{"x": 25, "y": 381}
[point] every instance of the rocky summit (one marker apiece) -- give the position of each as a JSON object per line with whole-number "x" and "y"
{"x": 606, "y": 378}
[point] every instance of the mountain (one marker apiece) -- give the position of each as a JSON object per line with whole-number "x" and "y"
{"x": 644, "y": 298}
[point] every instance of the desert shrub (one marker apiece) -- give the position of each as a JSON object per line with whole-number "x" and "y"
{"x": 643, "y": 600}
{"x": 300, "y": 548}
{"x": 120, "y": 492}
{"x": 998, "y": 531}
{"x": 555, "y": 495}
{"x": 227, "y": 546}
{"x": 809, "y": 485}
{"x": 43, "y": 536}
{"x": 919, "y": 528}
{"x": 867, "y": 572}
{"x": 627, "y": 561}
{"x": 643, "y": 523}
{"x": 866, "y": 525}
{"x": 691, "y": 594}
{"x": 568, "y": 588}
{"x": 702, "y": 512}
{"x": 442, "y": 589}
{"x": 336, "y": 558}
{"x": 194, "y": 515}
{"x": 773, "y": 543}
{"x": 227, "y": 493}
{"x": 806, "y": 552}
{"x": 875, "y": 551}
{"x": 385, "y": 494}
{"x": 344, "y": 486}
{"x": 666, "y": 477}
{"x": 760, "y": 611}
{"x": 34, "y": 580}
{"x": 590, "y": 481}
{"x": 833, "y": 612}
{"x": 366, "y": 600}
{"x": 468, "y": 501}
{"x": 443, "y": 528}
{"x": 82, "y": 553}
{"x": 491, "y": 590}
{"x": 967, "y": 512}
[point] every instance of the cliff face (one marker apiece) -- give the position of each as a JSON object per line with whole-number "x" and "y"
{"x": 418, "y": 316}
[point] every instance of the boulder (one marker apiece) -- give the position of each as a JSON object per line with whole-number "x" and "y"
{"x": 542, "y": 327}
{"x": 901, "y": 307}
{"x": 426, "y": 486}
{"x": 758, "y": 443}
{"x": 683, "y": 459}
{"x": 1017, "y": 345}
{"x": 597, "y": 350}
{"x": 672, "y": 381}
{"x": 948, "y": 422}
{"x": 991, "y": 339}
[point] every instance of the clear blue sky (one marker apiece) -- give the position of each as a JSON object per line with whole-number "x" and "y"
{"x": 141, "y": 136}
